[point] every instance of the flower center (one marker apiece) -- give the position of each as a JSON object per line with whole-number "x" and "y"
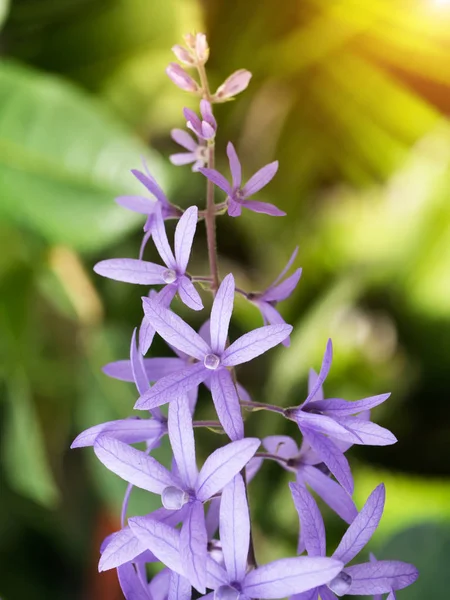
{"x": 173, "y": 498}
{"x": 226, "y": 592}
{"x": 340, "y": 584}
{"x": 169, "y": 276}
{"x": 211, "y": 361}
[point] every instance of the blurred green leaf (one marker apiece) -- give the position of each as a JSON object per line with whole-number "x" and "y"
{"x": 4, "y": 10}
{"x": 24, "y": 457}
{"x": 426, "y": 546}
{"x": 63, "y": 159}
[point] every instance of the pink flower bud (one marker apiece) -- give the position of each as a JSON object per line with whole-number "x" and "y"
{"x": 180, "y": 78}
{"x": 189, "y": 38}
{"x": 237, "y": 82}
{"x": 201, "y": 48}
{"x": 183, "y": 55}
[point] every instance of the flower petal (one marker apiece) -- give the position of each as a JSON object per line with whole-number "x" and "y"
{"x": 155, "y": 368}
{"x": 161, "y": 242}
{"x": 286, "y": 268}
{"x": 363, "y": 527}
{"x": 325, "y": 425}
{"x": 221, "y": 311}
{"x": 130, "y": 270}
{"x": 288, "y": 576}
{"x": 217, "y": 178}
{"x": 179, "y": 588}
{"x": 312, "y": 379}
{"x": 130, "y": 431}
{"x": 173, "y": 386}
{"x": 146, "y": 332}
{"x": 183, "y": 138}
{"x": 150, "y": 183}
{"x": 235, "y": 166}
{"x": 222, "y": 465}
{"x": 283, "y": 290}
{"x": 254, "y": 343}
{"x": 132, "y": 465}
{"x": 174, "y": 330}
{"x": 184, "y": 236}
{"x": 130, "y": 583}
{"x": 182, "y": 158}
{"x": 188, "y": 294}
{"x": 380, "y": 577}
{"x": 336, "y": 407}
{"x": 226, "y": 402}
{"x": 281, "y": 445}
{"x": 311, "y": 522}
{"x": 181, "y": 436}
{"x": 122, "y": 547}
{"x": 263, "y": 207}
{"x": 331, "y": 493}
{"x": 308, "y": 595}
{"x": 367, "y": 433}
{"x": 161, "y": 539}
{"x": 260, "y": 179}
{"x": 235, "y": 528}
{"x": 324, "y": 370}
{"x": 331, "y": 456}
{"x": 139, "y": 204}
{"x": 193, "y": 546}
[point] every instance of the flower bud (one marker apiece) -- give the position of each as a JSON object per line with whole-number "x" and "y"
{"x": 237, "y": 82}
{"x": 183, "y": 55}
{"x": 201, "y": 48}
{"x": 189, "y": 38}
{"x": 180, "y": 78}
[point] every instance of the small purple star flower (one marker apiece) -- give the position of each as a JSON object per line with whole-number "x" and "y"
{"x": 213, "y": 359}
{"x": 196, "y": 151}
{"x": 238, "y": 195}
{"x": 309, "y": 470}
{"x": 149, "y": 206}
{"x": 131, "y": 270}
{"x": 234, "y": 580}
{"x": 323, "y": 421}
{"x": 364, "y": 579}
{"x": 276, "y": 292}
{"x": 184, "y": 487}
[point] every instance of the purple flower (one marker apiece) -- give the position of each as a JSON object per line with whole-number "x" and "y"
{"x": 184, "y": 487}
{"x": 323, "y": 421}
{"x": 131, "y": 270}
{"x": 204, "y": 128}
{"x": 149, "y": 206}
{"x": 310, "y": 471}
{"x": 233, "y": 580}
{"x": 213, "y": 359}
{"x": 276, "y": 292}
{"x": 364, "y": 579}
{"x": 237, "y": 195}
{"x": 196, "y": 150}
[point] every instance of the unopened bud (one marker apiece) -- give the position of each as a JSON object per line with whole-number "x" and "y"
{"x": 180, "y": 78}
{"x": 189, "y": 38}
{"x": 183, "y": 55}
{"x": 201, "y": 48}
{"x": 236, "y": 83}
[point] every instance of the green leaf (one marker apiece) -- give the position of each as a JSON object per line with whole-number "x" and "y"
{"x": 63, "y": 159}
{"x": 24, "y": 457}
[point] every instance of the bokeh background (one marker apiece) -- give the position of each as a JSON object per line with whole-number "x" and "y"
{"x": 353, "y": 98}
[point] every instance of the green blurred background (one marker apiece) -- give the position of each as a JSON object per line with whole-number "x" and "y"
{"x": 353, "y": 98}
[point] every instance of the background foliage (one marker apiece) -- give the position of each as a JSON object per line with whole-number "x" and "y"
{"x": 353, "y": 99}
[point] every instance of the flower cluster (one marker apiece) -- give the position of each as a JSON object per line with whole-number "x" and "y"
{"x": 202, "y": 531}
